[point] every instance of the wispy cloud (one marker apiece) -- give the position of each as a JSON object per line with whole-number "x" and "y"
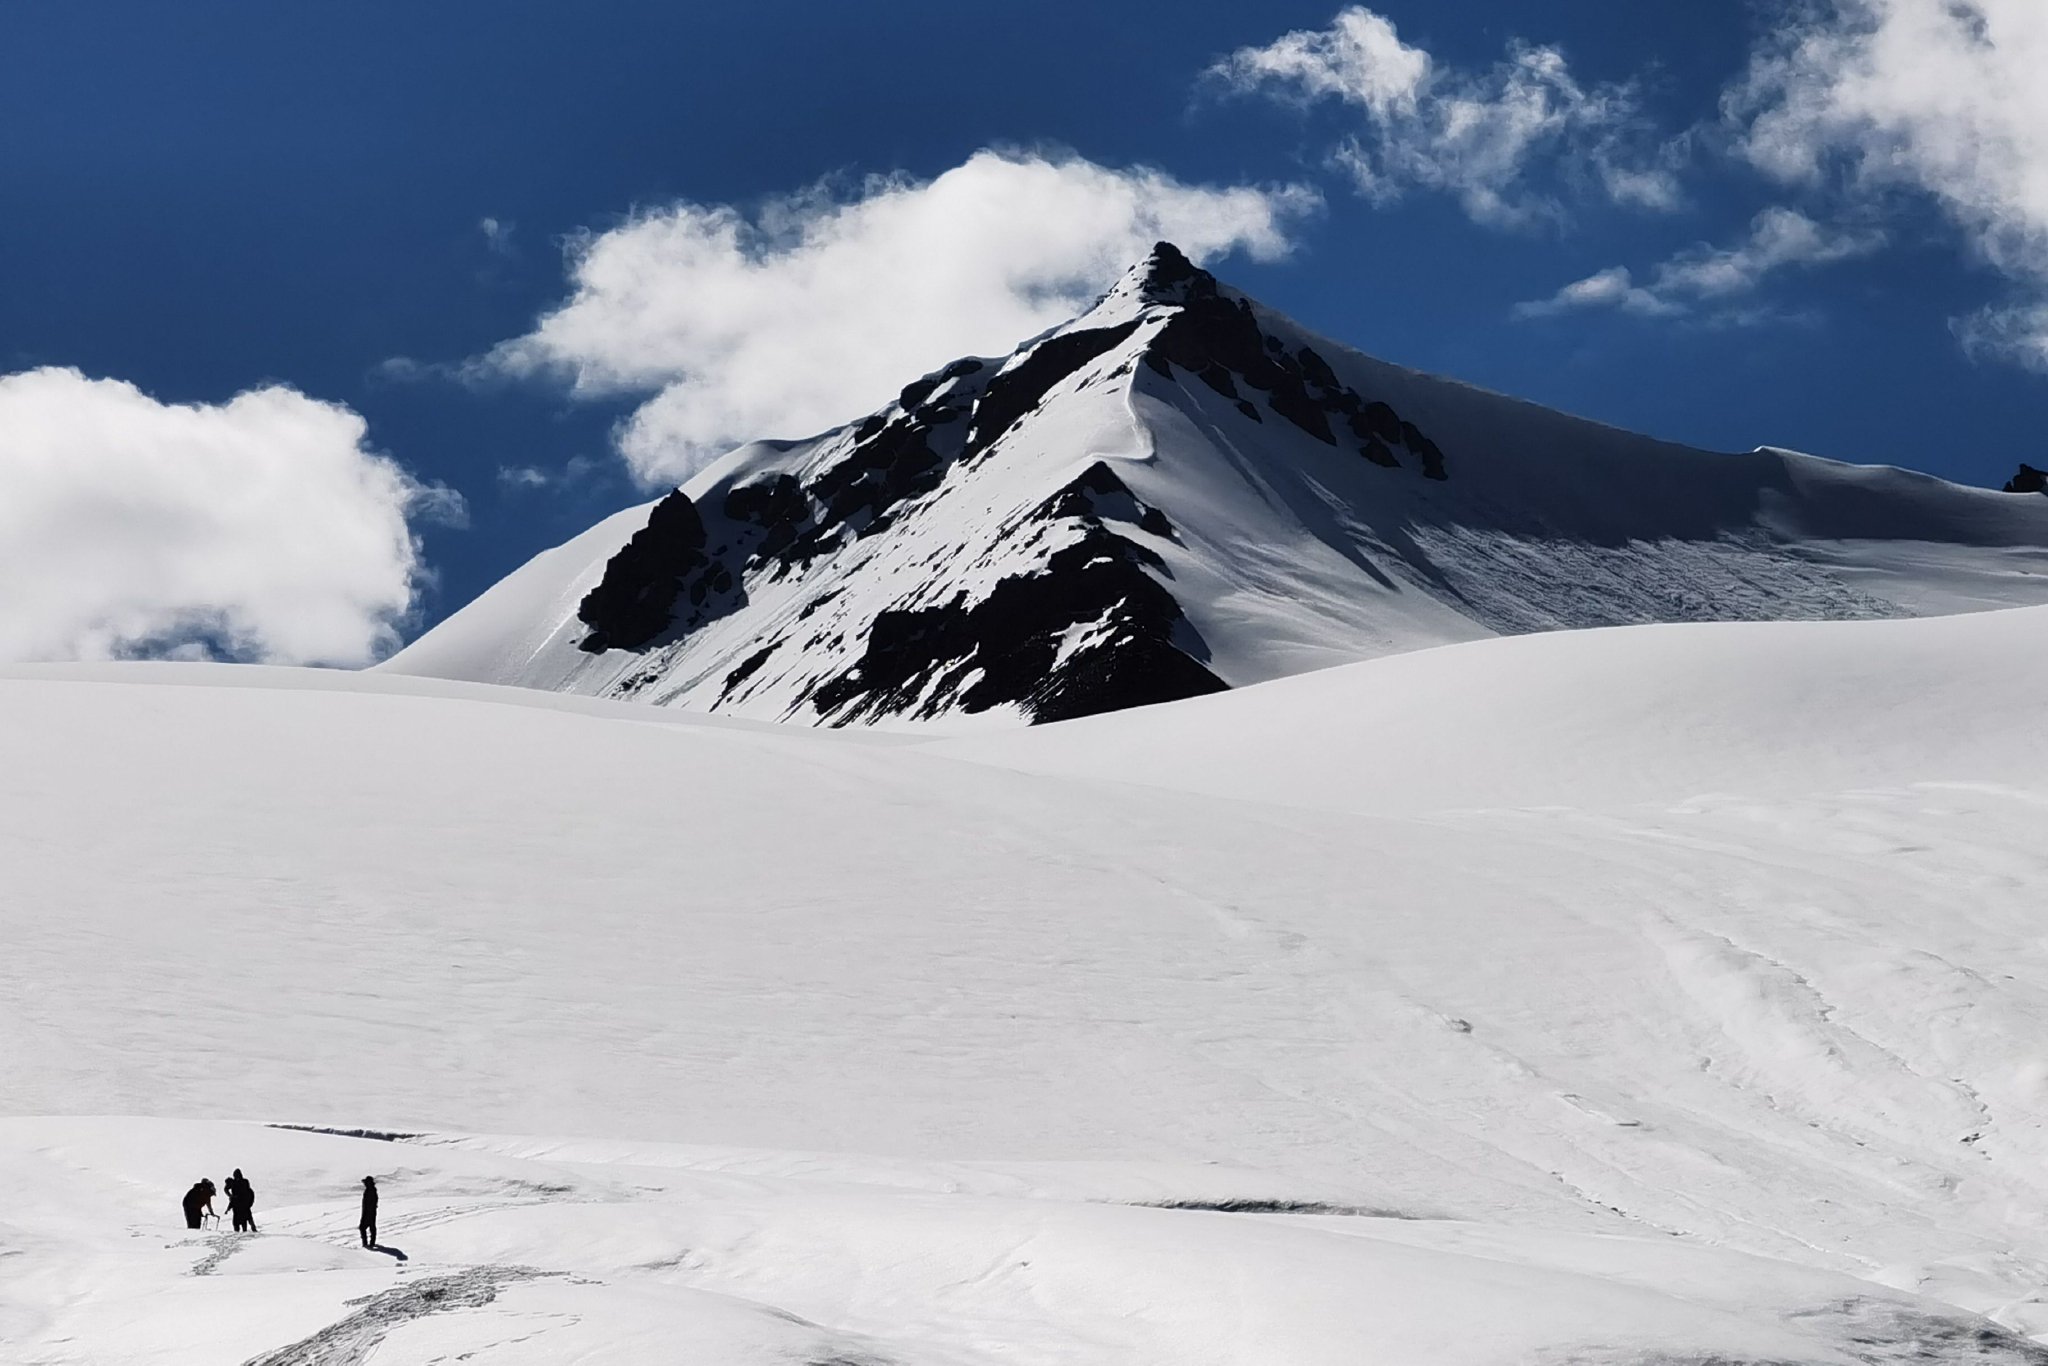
{"x": 520, "y": 477}
{"x": 2015, "y": 333}
{"x": 497, "y": 235}
{"x": 1848, "y": 108}
{"x": 1867, "y": 98}
{"x": 534, "y": 478}
{"x": 1505, "y": 142}
{"x": 1614, "y": 287}
{"x": 1710, "y": 278}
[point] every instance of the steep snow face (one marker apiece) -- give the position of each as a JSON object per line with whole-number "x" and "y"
{"x": 1182, "y": 492}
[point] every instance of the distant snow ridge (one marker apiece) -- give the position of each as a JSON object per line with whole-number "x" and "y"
{"x": 1181, "y": 492}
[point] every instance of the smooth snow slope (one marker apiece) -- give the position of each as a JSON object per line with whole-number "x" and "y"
{"x": 1626, "y": 715}
{"x": 1284, "y": 552}
{"x": 1614, "y": 969}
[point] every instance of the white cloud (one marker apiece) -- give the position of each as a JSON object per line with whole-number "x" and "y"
{"x": 532, "y": 478}
{"x": 1710, "y": 276}
{"x": 818, "y": 307}
{"x": 2016, "y": 333}
{"x": 263, "y": 526}
{"x": 1360, "y": 59}
{"x": 1779, "y": 237}
{"x": 518, "y": 478}
{"x": 1488, "y": 138}
{"x": 1612, "y": 288}
{"x": 1944, "y": 97}
{"x": 497, "y": 236}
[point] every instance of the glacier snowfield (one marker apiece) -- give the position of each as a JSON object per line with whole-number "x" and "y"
{"x": 1658, "y": 994}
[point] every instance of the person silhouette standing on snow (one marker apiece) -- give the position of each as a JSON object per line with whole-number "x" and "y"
{"x": 198, "y": 1202}
{"x": 368, "y": 1226}
{"x": 241, "y": 1202}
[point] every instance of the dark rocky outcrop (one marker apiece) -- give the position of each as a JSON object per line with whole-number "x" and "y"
{"x": 1006, "y": 648}
{"x": 895, "y": 464}
{"x": 1169, "y": 273}
{"x": 1082, "y": 620}
{"x": 1098, "y": 495}
{"x": 1377, "y": 419}
{"x": 778, "y": 507}
{"x": 1376, "y": 451}
{"x": 1018, "y": 645}
{"x": 747, "y": 668}
{"x": 917, "y": 391}
{"x": 1220, "y": 342}
{"x": 635, "y": 600}
{"x": 778, "y": 524}
{"x": 1017, "y": 390}
{"x": 664, "y": 580}
{"x": 2028, "y": 480}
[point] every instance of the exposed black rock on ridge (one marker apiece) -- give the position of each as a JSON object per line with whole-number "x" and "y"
{"x": 1019, "y": 389}
{"x": 1220, "y": 342}
{"x": 1091, "y": 631}
{"x": 778, "y": 524}
{"x": 635, "y": 600}
{"x": 665, "y": 582}
{"x": 1099, "y": 495}
{"x": 1078, "y": 618}
{"x": 2028, "y": 480}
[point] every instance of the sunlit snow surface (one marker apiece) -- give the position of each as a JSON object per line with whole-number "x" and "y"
{"x": 1511, "y": 999}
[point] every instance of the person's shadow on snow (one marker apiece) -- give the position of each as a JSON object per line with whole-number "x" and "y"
{"x": 388, "y": 1251}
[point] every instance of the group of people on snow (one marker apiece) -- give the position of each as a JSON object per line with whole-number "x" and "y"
{"x": 241, "y": 1202}
{"x": 242, "y": 1205}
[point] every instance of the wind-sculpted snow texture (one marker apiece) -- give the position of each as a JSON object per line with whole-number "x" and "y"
{"x": 1182, "y": 492}
{"x": 655, "y": 1253}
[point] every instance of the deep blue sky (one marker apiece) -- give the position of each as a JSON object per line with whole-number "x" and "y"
{"x": 203, "y": 195}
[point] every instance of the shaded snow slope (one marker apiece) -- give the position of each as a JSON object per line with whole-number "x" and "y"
{"x": 1718, "y": 939}
{"x": 1182, "y": 492}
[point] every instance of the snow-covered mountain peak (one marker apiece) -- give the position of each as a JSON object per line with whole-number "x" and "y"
{"x": 1179, "y": 492}
{"x": 1166, "y": 278}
